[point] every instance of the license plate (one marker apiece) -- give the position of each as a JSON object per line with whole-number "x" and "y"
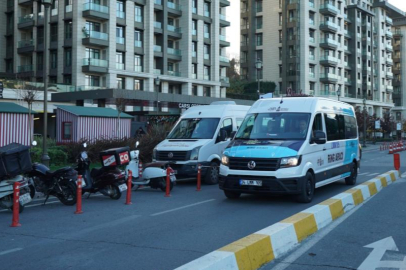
{"x": 175, "y": 171}
{"x": 173, "y": 178}
{"x": 24, "y": 199}
{"x": 250, "y": 183}
{"x": 122, "y": 187}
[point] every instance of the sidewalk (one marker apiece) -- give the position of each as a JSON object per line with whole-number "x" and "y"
{"x": 369, "y": 237}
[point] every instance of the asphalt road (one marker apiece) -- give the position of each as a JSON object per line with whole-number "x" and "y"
{"x": 154, "y": 232}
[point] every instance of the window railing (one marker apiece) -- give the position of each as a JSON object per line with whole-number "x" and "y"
{"x": 206, "y": 56}
{"x": 173, "y": 5}
{"x": 68, "y": 8}
{"x": 120, "y": 40}
{"x": 120, "y": 66}
{"x": 206, "y": 13}
{"x": 174, "y": 51}
{"x": 206, "y": 77}
{"x": 96, "y": 7}
{"x": 138, "y": 43}
{"x": 223, "y": 17}
{"x": 138, "y": 18}
{"x": 157, "y": 48}
{"x": 173, "y": 28}
{"x": 95, "y": 62}
{"x": 26, "y": 18}
{"x": 158, "y": 2}
{"x": 194, "y": 54}
{"x": 224, "y": 79}
{"x": 138, "y": 68}
{"x": 194, "y": 32}
{"x": 96, "y": 35}
{"x": 223, "y": 38}
{"x": 329, "y": 6}
{"x": 194, "y": 10}
{"x": 206, "y": 35}
{"x": 120, "y": 14}
{"x": 224, "y": 59}
{"x": 25, "y": 43}
{"x": 158, "y": 25}
{"x": 25, "y": 68}
{"x": 157, "y": 71}
{"x": 54, "y": 12}
{"x": 311, "y": 39}
{"x": 174, "y": 73}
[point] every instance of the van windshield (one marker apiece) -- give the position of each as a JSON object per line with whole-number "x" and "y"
{"x": 274, "y": 126}
{"x": 195, "y": 128}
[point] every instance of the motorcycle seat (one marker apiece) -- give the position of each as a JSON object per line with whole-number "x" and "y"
{"x": 160, "y": 164}
{"x": 96, "y": 172}
{"x": 62, "y": 170}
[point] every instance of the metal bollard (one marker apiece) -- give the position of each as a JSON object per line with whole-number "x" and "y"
{"x": 16, "y": 205}
{"x": 130, "y": 177}
{"x": 79, "y": 196}
{"x": 199, "y": 177}
{"x": 168, "y": 182}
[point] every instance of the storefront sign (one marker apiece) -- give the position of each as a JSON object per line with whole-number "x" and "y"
{"x": 187, "y": 105}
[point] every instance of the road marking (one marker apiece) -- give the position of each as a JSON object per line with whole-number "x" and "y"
{"x": 372, "y": 174}
{"x": 363, "y": 173}
{"x": 180, "y": 208}
{"x": 373, "y": 261}
{"x": 10, "y": 251}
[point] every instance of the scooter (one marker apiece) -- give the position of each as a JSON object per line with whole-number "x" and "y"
{"x": 7, "y": 192}
{"x": 153, "y": 175}
{"x": 109, "y": 181}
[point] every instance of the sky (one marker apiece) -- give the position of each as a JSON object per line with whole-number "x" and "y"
{"x": 233, "y": 33}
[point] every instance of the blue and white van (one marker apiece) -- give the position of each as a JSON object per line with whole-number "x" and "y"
{"x": 291, "y": 146}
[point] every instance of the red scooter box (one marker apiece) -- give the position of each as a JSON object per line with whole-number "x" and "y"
{"x": 115, "y": 156}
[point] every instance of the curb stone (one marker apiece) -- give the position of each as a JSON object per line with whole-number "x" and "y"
{"x": 257, "y": 249}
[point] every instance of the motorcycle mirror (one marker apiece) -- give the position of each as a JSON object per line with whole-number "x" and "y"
{"x": 136, "y": 144}
{"x": 85, "y": 145}
{"x": 34, "y": 143}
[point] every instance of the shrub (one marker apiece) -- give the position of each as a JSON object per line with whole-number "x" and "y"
{"x": 57, "y": 154}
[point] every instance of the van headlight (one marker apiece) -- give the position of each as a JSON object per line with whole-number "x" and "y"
{"x": 290, "y": 162}
{"x": 224, "y": 160}
{"x": 194, "y": 155}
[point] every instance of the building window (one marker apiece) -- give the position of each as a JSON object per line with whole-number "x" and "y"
{"x": 259, "y": 39}
{"x": 280, "y": 36}
{"x": 206, "y": 30}
{"x": 194, "y": 6}
{"x": 120, "y": 9}
{"x": 120, "y": 83}
{"x": 138, "y": 13}
{"x": 120, "y": 35}
{"x": 54, "y": 59}
{"x": 194, "y": 49}
{"x": 206, "y": 51}
{"x": 91, "y": 80}
{"x": 194, "y": 90}
{"x": 138, "y": 84}
{"x": 206, "y": 9}
{"x": 120, "y": 60}
{"x": 206, "y": 72}
{"x": 194, "y": 27}
{"x": 68, "y": 30}
{"x": 194, "y": 71}
{"x": 66, "y": 130}
{"x": 137, "y": 38}
{"x": 207, "y": 92}
{"x": 138, "y": 63}
{"x": 68, "y": 57}
{"x": 259, "y": 5}
{"x": 259, "y": 22}
{"x": 54, "y": 32}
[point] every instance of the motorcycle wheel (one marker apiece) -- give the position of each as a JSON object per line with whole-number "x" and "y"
{"x": 68, "y": 197}
{"x": 20, "y": 208}
{"x": 162, "y": 184}
{"x": 115, "y": 192}
{"x": 32, "y": 191}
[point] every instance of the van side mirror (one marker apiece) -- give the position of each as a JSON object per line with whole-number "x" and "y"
{"x": 232, "y": 134}
{"x": 319, "y": 137}
{"x": 222, "y": 136}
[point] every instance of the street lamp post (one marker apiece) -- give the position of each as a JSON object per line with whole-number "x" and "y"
{"x": 258, "y": 66}
{"x": 338, "y": 94}
{"x": 45, "y": 158}
{"x": 365, "y": 122}
{"x": 157, "y": 83}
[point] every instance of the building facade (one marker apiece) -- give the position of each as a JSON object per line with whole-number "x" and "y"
{"x": 337, "y": 49}
{"x": 166, "y": 46}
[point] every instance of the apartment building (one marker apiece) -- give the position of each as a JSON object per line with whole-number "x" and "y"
{"x": 164, "y": 46}
{"x": 399, "y": 67}
{"x": 337, "y": 49}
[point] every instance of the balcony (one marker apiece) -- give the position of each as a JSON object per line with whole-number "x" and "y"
{"x": 389, "y": 21}
{"x": 347, "y": 81}
{"x": 329, "y": 43}
{"x": 223, "y": 41}
{"x": 138, "y": 19}
{"x": 93, "y": 65}
{"x": 224, "y": 59}
{"x": 157, "y": 71}
{"x": 389, "y": 88}
{"x": 329, "y": 27}
{"x": 223, "y": 21}
{"x": 26, "y": 22}
{"x": 194, "y": 76}
{"x": 68, "y": 8}
{"x": 138, "y": 69}
{"x": 138, "y": 43}
{"x": 389, "y": 34}
{"x": 224, "y": 3}
{"x": 206, "y": 35}
{"x": 157, "y": 48}
{"x": 173, "y": 28}
{"x": 174, "y": 73}
{"x": 158, "y": 25}
{"x": 224, "y": 79}
{"x": 95, "y": 11}
{"x": 120, "y": 40}
{"x": 120, "y": 66}
{"x": 389, "y": 75}
{"x": 329, "y": 9}
{"x": 173, "y": 6}
{"x": 389, "y": 47}
{"x": 206, "y": 77}
{"x": 95, "y": 38}
{"x": 25, "y": 69}
{"x": 312, "y": 40}
{"x": 328, "y": 78}
{"x": 120, "y": 14}
{"x": 328, "y": 60}
{"x": 25, "y": 46}
{"x": 389, "y": 62}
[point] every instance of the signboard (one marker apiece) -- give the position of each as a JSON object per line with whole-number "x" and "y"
{"x": 398, "y": 126}
{"x": 377, "y": 124}
{"x": 269, "y": 95}
{"x": 1, "y": 89}
{"x": 187, "y": 105}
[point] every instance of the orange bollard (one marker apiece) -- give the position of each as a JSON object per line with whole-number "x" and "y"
{"x": 199, "y": 177}
{"x": 396, "y": 161}
{"x": 79, "y": 196}
{"x": 168, "y": 182}
{"x": 16, "y": 205}
{"x": 130, "y": 177}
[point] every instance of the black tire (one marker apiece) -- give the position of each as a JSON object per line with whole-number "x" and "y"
{"x": 212, "y": 174}
{"x": 115, "y": 192}
{"x": 162, "y": 185}
{"x": 232, "y": 195}
{"x": 307, "y": 192}
{"x": 352, "y": 179}
{"x": 20, "y": 208}
{"x": 69, "y": 196}
{"x": 32, "y": 191}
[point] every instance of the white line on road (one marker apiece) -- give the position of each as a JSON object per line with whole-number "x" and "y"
{"x": 372, "y": 174}
{"x": 180, "y": 208}
{"x": 363, "y": 173}
{"x": 10, "y": 251}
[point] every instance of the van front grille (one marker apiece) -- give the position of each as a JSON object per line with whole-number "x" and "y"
{"x": 261, "y": 164}
{"x": 172, "y": 155}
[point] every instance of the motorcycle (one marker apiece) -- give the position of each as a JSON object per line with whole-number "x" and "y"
{"x": 7, "y": 193}
{"x": 108, "y": 180}
{"x": 153, "y": 175}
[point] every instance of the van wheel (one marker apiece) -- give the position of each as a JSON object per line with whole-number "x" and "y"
{"x": 231, "y": 194}
{"x": 352, "y": 179}
{"x": 212, "y": 174}
{"x": 307, "y": 192}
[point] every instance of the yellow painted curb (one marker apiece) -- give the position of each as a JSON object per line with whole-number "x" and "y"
{"x": 372, "y": 188}
{"x": 336, "y": 207}
{"x": 304, "y": 223}
{"x": 356, "y": 195}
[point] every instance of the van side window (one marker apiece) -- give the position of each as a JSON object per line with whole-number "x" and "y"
{"x": 317, "y": 124}
{"x": 332, "y": 129}
{"x": 239, "y": 122}
{"x": 350, "y": 127}
{"x": 227, "y": 126}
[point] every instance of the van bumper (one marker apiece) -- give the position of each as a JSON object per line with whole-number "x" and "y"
{"x": 270, "y": 184}
{"x": 189, "y": 170}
